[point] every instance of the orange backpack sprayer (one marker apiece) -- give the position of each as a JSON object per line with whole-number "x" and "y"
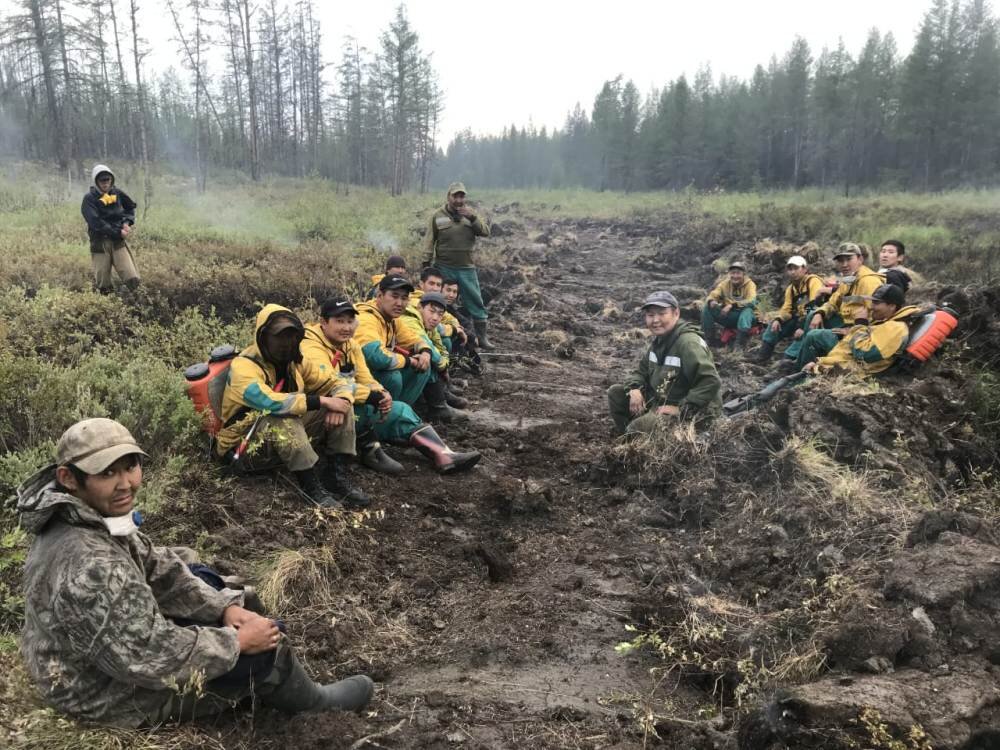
{"x": 205, "y": 384}
{"x": 928, "y": 330}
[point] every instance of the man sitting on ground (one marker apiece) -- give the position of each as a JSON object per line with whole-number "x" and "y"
{"x": 119, "y": 631}
{"x": 891, "y": 258}
{"x": 330, "y": 347}
{"x": 800, "y": 296}
{"x": 731, "y": 304}
{"x": 870, "y": 348}
{"x": 459, "y": 337}
{"x": 397, "y": 357}
{"x": 432, "y": 280}
{"x": 395, "y": 265}
{"x": 847, "y": 306}
{"x": 676, "y": 378}
{"x": 286, "y": 402}
{"x": 423, "y": 319}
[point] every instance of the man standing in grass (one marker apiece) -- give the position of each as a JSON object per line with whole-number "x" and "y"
{"x": 110, "y": 216}
{"x": 451, "y": 238}
{"x": 119, "y": 631}
{"x": 676, "y": 377}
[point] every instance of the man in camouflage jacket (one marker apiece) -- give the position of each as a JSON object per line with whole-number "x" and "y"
{"x": 119, "y": 631}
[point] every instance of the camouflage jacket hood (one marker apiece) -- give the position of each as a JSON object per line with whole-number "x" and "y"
{"x": 98, "y": 638}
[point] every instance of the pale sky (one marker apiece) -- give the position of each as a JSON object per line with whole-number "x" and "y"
{"x": 511, "y": 61}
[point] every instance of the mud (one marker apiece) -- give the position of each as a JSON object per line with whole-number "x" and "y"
{"x": 787, "y": 603}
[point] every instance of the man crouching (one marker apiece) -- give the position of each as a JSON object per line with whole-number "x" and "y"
{"x": 119, "y": 631}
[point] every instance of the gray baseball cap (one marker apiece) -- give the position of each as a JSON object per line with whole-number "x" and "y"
{"x": 94, "y": 444}
{"x": 434, "y": 298}
{"x": 660, "y": 299}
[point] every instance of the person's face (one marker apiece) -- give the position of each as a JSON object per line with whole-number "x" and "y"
{"x": 393, "y": 302}
{"x": 888, "y": 256}
{"x": 661, "y": 320}
{"x": 110, "y": 492}
{"x": 456, "y": 201}
{"x": 847, "y": 265}
{"x": 283, "y": 345}
{"x": 432, "y": 284}
{"x": 795, "y": 273}
{"x": 432, "y": 315}
{"x": 395, "y": 271}
{"x": 883, "y": 310}
{"x": 104, "y": 182}
{"x": 340, "y": 328}
{"x": 737, "y": 276}
{"x": 450, "y": 292}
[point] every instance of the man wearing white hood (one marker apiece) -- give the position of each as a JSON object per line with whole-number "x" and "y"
{"x": 110, "y": 216}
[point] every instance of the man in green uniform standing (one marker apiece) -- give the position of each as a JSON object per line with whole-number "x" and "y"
{"x": 676, "y": 377}
{"x": 451, "y": 238}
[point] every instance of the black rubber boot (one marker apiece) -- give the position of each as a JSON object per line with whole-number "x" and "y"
{"x": 453, "y": 400}
{"x": 445, "y": 460}
{"x": 376, "y": 459}
{"x": 336, "y": 480}
{"x": 484, "y": 342}
{"x": 298, "y": 693}
{"x": 311, "y": 486}
{"x": 438, "y": 409}
{"x": 765, "y": 352}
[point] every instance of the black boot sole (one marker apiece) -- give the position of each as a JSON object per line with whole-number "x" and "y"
{"x": 457, "y": 466}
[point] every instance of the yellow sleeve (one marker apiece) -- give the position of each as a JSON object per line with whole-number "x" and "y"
{"x": 787, "y": 311}
{"x": 832, "y": 305}
{"x": 408, "y": 337}
{"x": 247, "y": 387}
{"x": 369, "y": 339}
{"x": 751, "y": 294}
{"x": 814, "y": 287}
{"x": 319, "y": 374}
{"x": 717, "y": 293}
{"x": 364, "y": 383}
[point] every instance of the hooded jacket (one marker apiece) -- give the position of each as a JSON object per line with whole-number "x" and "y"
{"x": 744, "y": 295}
{"x": 252, "y": 386}
{"x": 349, "y": 367}
{"x": 678, "y": 370}
{"x": 97, "y": 639}
{"x": 414, "y": 320}
{"x": 799, "y": 297}
{"x": 106, "y": 213}
{"x": 870, "y": 348}
{"x": 378, "y": 336}
{"x": 843, "y": 300}
{"x": 449, "y": 323}
{"x": 451, "y": 237}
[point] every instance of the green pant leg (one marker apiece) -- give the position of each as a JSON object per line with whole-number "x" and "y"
{"x": 709, "y": 315}
{"x": 394, "y": 427}
{"x": 468, "y": 288}
{"x": 648, "y": 423}
{"x": 816, "y": 343}
{"x": 618, "y": 406}
{"x": 744, "y": 319}
{"x": 412, "y": 385}
{"x": 446, "y": 340}
{"x": 787, "y": 330}
{"x": 391, "y": 380}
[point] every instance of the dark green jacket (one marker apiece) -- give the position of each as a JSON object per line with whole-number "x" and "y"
{"x": 450, "y": 238}
{"x": 678, "y": 370}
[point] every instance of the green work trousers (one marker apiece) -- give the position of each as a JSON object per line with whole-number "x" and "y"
{"x": 468, "y": 289}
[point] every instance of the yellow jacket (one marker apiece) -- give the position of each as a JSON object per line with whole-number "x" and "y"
{"x": 252, "y": 382}
{"x": 798, "y": 296}
{"x": 349, "y": 367}
{"x": 378, "y": 336}
{"x": 449, "y": 323}
{"x": 870, "y": 348}
{"x": 865, "y": 283}
{"x": 412, "y": 319}
{"x": 744, "y": 295}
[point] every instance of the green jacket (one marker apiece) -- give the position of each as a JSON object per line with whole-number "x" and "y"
{"x": 450, "y": 238}
{"x": 678, "y": 370}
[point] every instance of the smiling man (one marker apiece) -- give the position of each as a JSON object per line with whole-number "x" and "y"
{"x": 676, "y": 378}
{"x": 118, "y": 630}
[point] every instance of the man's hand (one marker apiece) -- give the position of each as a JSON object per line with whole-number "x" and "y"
{"x": 467, "y": 212}
{"x": 337, "y": 410}
{"x": 669, "y": 411}
{"x": 258, "y": 635}
{"x": 386, "y": 403}
{"x": 421, "y": 362}
{"x": 776, "y": 326}
{"x": 126, "y": 230}
{"x": 636, "y": 402}
{"x": 727, "y": 308}
{"x": 810, "y": 367}
{"x": 816, "y": 321}
{"x": 462, "y": 336}
{"x": 713, "y": 303}
{"x": 799, "y": 333}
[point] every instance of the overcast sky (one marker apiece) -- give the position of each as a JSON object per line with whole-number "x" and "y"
{"x": 511, "y": 61}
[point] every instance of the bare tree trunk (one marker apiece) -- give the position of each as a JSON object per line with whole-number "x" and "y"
{"x": 147, "y": 179}
{"x": 48, "y": 78}
{"x": 243, "y": 8}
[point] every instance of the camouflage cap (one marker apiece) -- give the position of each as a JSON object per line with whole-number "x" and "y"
{"x": 660, "y": 299}
{"x": 94, "y": 444}
{"x": 456, "y": 187}
{"x": 848, "y": 248}
{"x": 737, "y": 265}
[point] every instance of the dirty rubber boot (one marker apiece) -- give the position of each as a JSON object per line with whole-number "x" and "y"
{"x": 309, "y": 482}
{"x": 455, "y": 402}
{"x": 298, "y": 693}
{"x": 376, "y": 459}
{"x": 438, "y": 409}
{"x": 484, "y": 342}
{"x": 764, "y": 353}
{"x": 445, "y": 460}
{"x": 336, "y": 480}
{"x": 457, "y": 385}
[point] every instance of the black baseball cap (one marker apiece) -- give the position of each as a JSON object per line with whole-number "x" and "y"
{"x": 890, "y": 293}
{"x": 660, "y": 299}
{"x": 434, "y": 298}
{"x": 336, "y": 306}
{"x": 395, "y": 282}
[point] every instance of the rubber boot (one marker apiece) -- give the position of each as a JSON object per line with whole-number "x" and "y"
{"x": 336, "y": 480}
{"x": 457, "y": 385}
{"x": 376, "y": 459}
{"x": 429, "y": 443}
{"x": 438, "y": 409}
{"x": 298, "y": 693}
{"x": 742, "y": 337}
{"x": 765, "y": 352}
{"x": 453, "y": 400}
{"x": 314, "y": 489}
{"x": 484, "y": 342}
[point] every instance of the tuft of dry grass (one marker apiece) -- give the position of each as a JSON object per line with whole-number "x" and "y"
{"x": 300, "y": 577}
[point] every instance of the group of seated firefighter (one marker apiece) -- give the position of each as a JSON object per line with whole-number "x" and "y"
{"x": 342, "y": 387}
